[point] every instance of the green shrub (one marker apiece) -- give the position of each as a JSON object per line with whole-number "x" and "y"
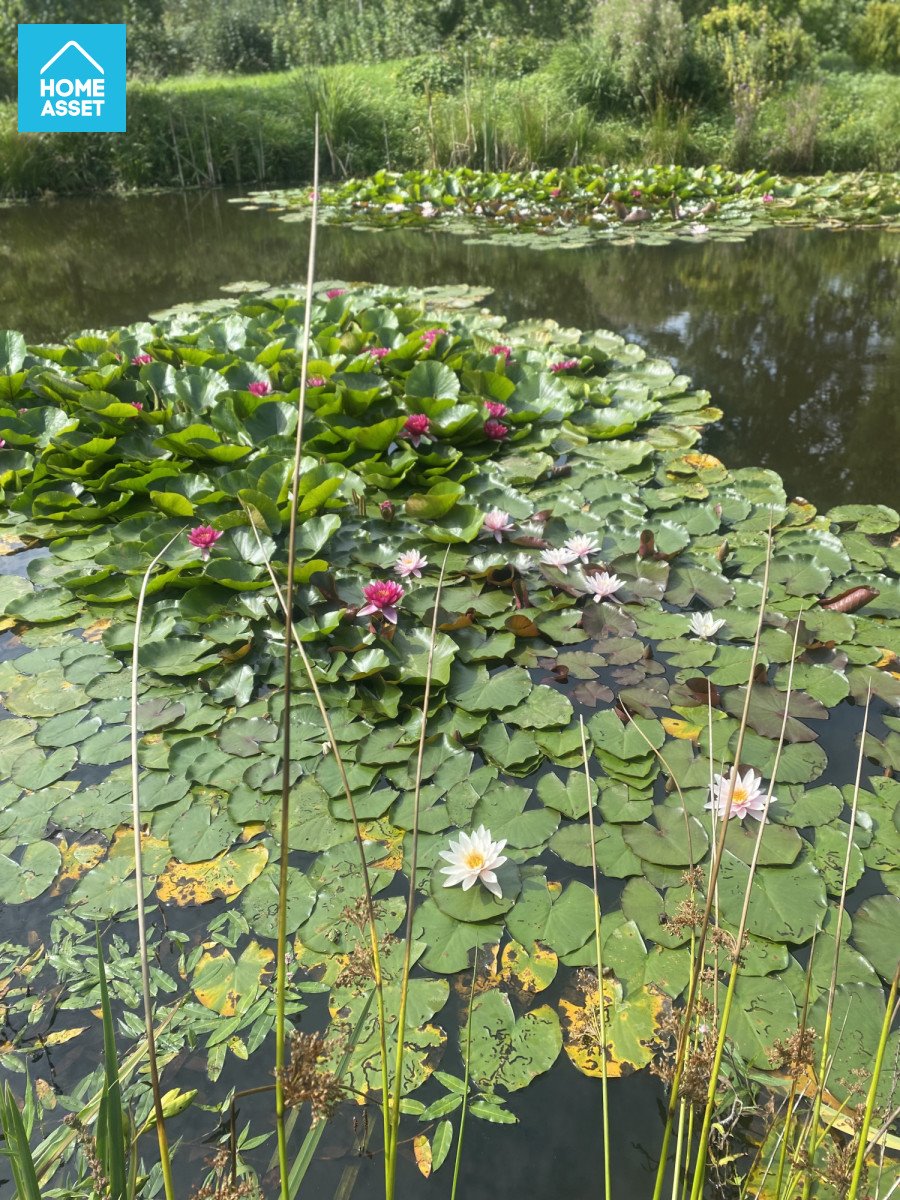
{"x": 875, "y": 39}
{"x": 446, "y": 70}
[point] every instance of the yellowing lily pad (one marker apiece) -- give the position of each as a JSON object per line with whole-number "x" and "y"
{"x": 221, "y": 878}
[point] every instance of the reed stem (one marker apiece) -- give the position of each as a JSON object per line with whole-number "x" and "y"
{"x": 161, "y": 1135}
{"x": 284, "y": 831}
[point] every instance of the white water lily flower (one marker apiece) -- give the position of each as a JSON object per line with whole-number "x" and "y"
{"x": 602, "y": 585}
{"x": 748, "y": 800}
{"x": 705, "y": 625}
{"x": 558, "y": 558}
{"x": 582, "y": 545}
{"x": 474, "y": 857}
{"x": 410, "y": 562}
{"x": 698, "y": 229}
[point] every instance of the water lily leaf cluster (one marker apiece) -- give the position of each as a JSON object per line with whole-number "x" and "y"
{"x": 575, "y": 206}
{"x": 119, "y": 442}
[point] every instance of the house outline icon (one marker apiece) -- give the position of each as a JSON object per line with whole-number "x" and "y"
{"x": 47, "y": 65}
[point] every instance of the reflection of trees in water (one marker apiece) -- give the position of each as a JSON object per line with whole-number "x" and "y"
{"x": 794, "y": 332}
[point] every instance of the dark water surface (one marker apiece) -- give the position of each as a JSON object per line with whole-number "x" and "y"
{"x": 794, "y": 332}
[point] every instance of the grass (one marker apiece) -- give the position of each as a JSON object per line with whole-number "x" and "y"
{"x": 202, "y": 131}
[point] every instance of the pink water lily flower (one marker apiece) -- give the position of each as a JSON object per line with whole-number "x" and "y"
{"x": 430, "y": 336}
{"x": 554, "y": 192}
{"x": 203, "y": 538}
{"x": 768, "y": 198}
{"x": 2, "y": 443}
{"x": 496, "y": 430}
{"x": 333, "y": 293}
{"x": 313, "y": 381}
{"x": 501, "y": 351}
{"x": 259, "y": 387}
{"x": 137, "y": 404}
{"x": 561, "y": 559}
{"x": 636, "y": 193}
{"x": 602, "y": 585}
{"x": 410, "y": 562}
{"x": 382, "y": 595}
{"x": 495, "y": 408}
{"x": 497, "y": 522}
{"x": 747, "y": 800}
{"x": 567, "y": 364}
{"x": 416, "y": 428}
{"x": 379, "y": 351}
{"x": 581, "y": 545}
{"x": 386, "y": 507}
{"x": 141, "y": 360}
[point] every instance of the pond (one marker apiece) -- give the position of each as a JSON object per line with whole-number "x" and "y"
{"x": 794, "y": 335}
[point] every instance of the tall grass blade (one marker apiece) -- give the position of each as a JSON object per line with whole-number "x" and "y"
{"x": 161, "y": 1135}
{"x": 314, "y": 1134}
{"x": 862, "y": 1149}
{"x": 411, "y": 898}
{"x": 697, "y": 967}
{"x": 598, "y": 953}
{"x": 112, "y": 1147}
{"x": 467, "y": 1069}
{"x": 284, "y": 832}
{"x": 17, "y": 1147}
{"x": 700, "y": 1161}
{"x": 814, "y": 1138}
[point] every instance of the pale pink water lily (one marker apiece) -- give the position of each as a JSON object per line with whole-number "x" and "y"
{"x": 705, "y": 625}
{"x": 581, "y": 545}
{"x": 501, "y": 351}
{"x": 496, "y": 430}
{"x": 259, "y": 387}
{"x": 416, "y": 427}
{"x": 2, "y": 443}
{"x": 474, "y": 858}
{"x": 428, "y": 209}
{"x": 747, "y": 800}
{"x": 141, "y": 360}
{"x": 314, "y": 381}
{"x": 333, "y": 293}
{"x": 379, "y": 351}
{"x": 495, "y": 408}
{"x": 410, "y": 563}
{"x": 602, "y": 585}
{"x": 203, "y": 538}
{"x": 497, "y": 522}
{"x": 698, "y": 229}
{"x": 382, "y": 595}
{"x": 567, "y": 364}
{"x": 430, "y": 336}
{"x": 561, "y": 559}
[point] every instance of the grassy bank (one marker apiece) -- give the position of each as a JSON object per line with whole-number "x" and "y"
{"x": 204, "y": 131}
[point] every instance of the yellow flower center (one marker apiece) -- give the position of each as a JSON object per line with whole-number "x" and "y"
{"x": 740, "y": 795}
{"x": 474, "y": 860}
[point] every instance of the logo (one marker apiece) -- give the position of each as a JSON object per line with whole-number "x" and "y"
{"x": 72, "y": 78}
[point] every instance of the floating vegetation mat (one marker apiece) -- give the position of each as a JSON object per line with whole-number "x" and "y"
{"x": 598, "y": 564}
{"x": 580, "y": 205}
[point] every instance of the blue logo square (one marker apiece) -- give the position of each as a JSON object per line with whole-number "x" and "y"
{"x": 72, "y": 78}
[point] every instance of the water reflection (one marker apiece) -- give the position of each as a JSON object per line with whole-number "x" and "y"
{"x": 794, "y": 332}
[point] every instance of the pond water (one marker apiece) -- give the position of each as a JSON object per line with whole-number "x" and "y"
{"x": 794, "y": 332}
{"x": 795, "y": 335}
